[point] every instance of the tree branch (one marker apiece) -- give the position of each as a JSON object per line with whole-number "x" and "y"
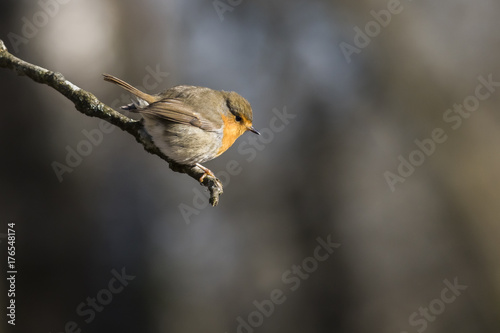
{"x": 89, "y": 105}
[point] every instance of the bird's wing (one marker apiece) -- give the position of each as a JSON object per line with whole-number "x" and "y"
{"x": 176, "y": 111}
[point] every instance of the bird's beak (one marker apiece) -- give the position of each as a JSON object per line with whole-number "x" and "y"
{"x": 253, "y": 130}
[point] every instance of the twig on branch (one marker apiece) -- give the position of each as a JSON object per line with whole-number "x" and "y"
{"x": 89, "y": 105}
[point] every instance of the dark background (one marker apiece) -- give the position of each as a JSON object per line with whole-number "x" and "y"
{"x": 321, "y": 175}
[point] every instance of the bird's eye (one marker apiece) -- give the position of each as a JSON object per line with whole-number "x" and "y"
{"x": 238, "y": 118}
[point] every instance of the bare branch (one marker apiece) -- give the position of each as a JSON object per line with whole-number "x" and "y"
{"x": 89, "y": 105}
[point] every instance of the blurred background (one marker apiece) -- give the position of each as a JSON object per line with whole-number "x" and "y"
{"x": 342, "y": 90}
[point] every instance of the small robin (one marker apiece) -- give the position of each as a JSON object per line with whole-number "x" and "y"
{"x": 189, "y": 124}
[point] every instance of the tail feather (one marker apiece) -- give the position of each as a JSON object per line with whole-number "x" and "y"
{"x": 133, "y": 90}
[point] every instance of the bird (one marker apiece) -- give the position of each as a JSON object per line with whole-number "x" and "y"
{"x": 190, "y": 124}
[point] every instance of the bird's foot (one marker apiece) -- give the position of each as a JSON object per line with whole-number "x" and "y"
{"x": 208, "y": 172}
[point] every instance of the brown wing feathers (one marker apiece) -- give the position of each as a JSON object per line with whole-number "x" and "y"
{"x": 170, "y": 109}
{"x": 176, "y": 111}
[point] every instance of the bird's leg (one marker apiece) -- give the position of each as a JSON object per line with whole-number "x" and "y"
{"x": 207, "y": 172}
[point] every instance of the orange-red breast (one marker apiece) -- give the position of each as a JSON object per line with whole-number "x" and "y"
{"x": 190, "y": 124}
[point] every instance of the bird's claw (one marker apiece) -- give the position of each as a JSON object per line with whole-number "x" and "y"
{"x": 207, "y": 171}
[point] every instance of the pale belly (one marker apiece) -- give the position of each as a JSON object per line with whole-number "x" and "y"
{"x": 185, "y": 144}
